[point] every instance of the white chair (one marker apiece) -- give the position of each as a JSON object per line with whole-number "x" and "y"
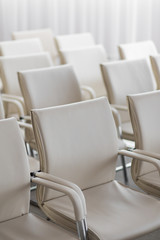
{"x": 127, "y": 77}
{"x": 78, "y": 143}
{"x": 137, "y": 50}
{"x": 74, "y": 41}
{"x": 15, "y": 220}
{"x": 86, "y": 63}
{"x": 9, "y": 66}
{"x": 145, "y": 117}
{"x": 48, "y": 87}
{"x": 46, "y": 37}
{"x": 71, "y": 41}
{"x": 20, "y": 47}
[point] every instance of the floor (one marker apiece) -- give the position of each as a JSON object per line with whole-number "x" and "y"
{"x": 119, "y": 176}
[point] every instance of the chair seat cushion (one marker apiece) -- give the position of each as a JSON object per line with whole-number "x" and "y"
{"x": 151, "y": 179}
{"x": 127, "y": 131}
{"x": 115, "y": 211}
{"x": 31, "y": 227}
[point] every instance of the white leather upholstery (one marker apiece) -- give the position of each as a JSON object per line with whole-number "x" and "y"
{"x": 145, "y": 117}
{"x": 155, "y": 62}
{"x": 86, "y": 64}
{"x": 78, "y": 142}
{"x": 137, "y": 50}
{"x": 48, "y": 87}
{"x": 113, "y": 212}
{"x": 87, "y": 145}
{"x": 73, "y": 41}
{"x": 127, "y": 77}
{"x": 46, "y": 37}
{"x": 14, "y": 172}
{"x": 16, "y": 222}
{"x": 20, "y": 47}
{"x": 32, "y": 227}
{"x": 9, "y": 66}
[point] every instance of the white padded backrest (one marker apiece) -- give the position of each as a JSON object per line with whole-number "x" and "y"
{"x": 145, "y": 117}
{"x": 46, "y": 37}
{"x": 20, "y": 47}
{"x": 155, "y": 62}
{"x": 127, "y": 77}
{"x": 77, "y": 141}
{"x": 14, "y": 172}
{"x": 137, "y": 50}
{"x": 49, "y": 87}
{"x": 86, "y": 62}
{"x": 71, "y": 41}
{"x": 2, "y": 114}
{"x": 9, "y": 66}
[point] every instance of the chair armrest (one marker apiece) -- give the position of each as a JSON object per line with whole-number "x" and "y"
{"x": 89, "y": 90}
{"x": 141, "y": 157}
{"x": 146, "y": 153}
{"x": 14, "y": 101}
{"x": 18, "y": 98}
{"x": 66, "y": 183}
{"x": 72, "y": 194}
{"x": 25, "y": 125}
{"x": 120, "y": 107}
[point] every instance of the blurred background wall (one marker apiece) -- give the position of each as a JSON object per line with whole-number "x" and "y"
{"x": 110, "y": 21}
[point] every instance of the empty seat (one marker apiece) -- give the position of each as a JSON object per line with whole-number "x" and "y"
{"x": 127, "y": 77}
{"x": 145, "y": 117}
{"x": 86, "y": 62}
{"x": 137, "y": 50}
{"x": 15, "y": 220}
{"x": 46, "y": 37}
{"x": 78, "y": 142}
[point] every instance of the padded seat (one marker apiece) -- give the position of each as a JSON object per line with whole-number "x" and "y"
{"x": 117, "y": 202}
{"x": 151, "y": 178}
{"x": 29, "y": 227}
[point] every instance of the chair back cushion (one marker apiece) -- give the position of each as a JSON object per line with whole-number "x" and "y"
{"x": 14, "y": 172}
{"x": 20, "y": 47}
{"x": 145, "y": 117}
{"x": 9, "y": 66}
{"x": 127, "y": 77}
{"x": 86, "y": 62}
{"x": 72, "y": 41}
{"x": 49, "y": 87}
{"x": 137, "y": 50}
{"x": 77, "y": 142}
{"x": 46, "y": 37}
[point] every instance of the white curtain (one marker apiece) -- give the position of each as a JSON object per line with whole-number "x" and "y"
{"x": 110, "y": 21}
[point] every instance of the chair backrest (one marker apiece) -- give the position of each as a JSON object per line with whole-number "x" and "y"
{"x": 145, "y": 117}
{"x": 14, "y": 172}
{"x": 127, "y": 77}
{"x": 155, "y": 62}
{"x": 9, "y": 66}
{"x": 72, "y": 41}
{"x": 137, "y": 50}
{"x": 86, "y": 62}
{"x": 49, "y": 87}
{"x": 46, "y": 37}
{"x": 20, "y": 47}
{"x": 77, "y": 142}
